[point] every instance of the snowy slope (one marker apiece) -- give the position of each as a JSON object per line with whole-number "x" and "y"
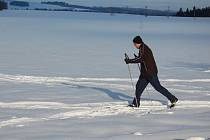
{"x": 152, "y": 4}
{"x": 38, "y": 5}
{"x": 62, "y": 76}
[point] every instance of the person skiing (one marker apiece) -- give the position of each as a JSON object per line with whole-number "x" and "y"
{"x": 149, "y": 73}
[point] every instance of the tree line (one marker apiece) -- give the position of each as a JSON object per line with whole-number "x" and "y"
{"x": 195, "y": 12}
{"x": 3, "y": 5}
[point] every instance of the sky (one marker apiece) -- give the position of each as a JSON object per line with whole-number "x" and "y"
{"x": 152, "y": 4}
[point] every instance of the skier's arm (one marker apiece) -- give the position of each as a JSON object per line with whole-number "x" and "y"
{"x": 138, "y": 59}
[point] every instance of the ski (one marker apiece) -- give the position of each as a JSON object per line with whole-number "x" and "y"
{"x": 171, "y": 106}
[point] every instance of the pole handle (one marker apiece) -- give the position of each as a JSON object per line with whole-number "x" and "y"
{"x": 135, "y": 55}
{"x": 126, "y": 56}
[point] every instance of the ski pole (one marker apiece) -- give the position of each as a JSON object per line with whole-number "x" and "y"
{"x": 129, "y": 71}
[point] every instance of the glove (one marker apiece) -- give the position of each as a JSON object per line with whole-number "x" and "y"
{"x": 127, "y": 60}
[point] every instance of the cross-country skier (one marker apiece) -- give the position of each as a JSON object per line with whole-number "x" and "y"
{"x": 148, "y": 74}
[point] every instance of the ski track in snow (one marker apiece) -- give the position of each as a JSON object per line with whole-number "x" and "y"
{"x": 99, "y": 82}
{"x": 207, "y": 71}
{"x": 57, "y": 80}
{"x": 90, "y": 110}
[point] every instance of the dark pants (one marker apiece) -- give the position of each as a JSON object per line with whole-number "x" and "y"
{"x": 154, "y": 81}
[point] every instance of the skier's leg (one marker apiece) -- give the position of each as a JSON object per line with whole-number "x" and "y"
{"x": 154, "y": 81}
{"x": 140, "y": 86}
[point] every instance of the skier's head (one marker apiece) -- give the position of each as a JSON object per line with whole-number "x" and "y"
{"x": 137, "y": 41}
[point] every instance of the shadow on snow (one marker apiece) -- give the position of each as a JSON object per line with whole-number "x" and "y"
{"x": 113, "y": 94}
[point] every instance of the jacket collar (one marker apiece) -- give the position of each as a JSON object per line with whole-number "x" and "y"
{"x": 142, "y": 46}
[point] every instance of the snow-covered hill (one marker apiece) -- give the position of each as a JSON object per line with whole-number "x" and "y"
{"x": 63, "y": 6}
{"x": 151, "y": 4}
{"x": 37, "y": 5}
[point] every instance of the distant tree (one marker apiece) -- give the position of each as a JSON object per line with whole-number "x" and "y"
{"x": 195, "y": 12}
{"x": 3, "y": 5}
{"x": 19, "y": 3}
{"x": 62, "y": 4}
{"x": 180, "y": 12}
{"x": 187, "y": 13}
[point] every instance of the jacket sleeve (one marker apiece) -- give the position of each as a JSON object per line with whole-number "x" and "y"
{"x": 137, "y": 60}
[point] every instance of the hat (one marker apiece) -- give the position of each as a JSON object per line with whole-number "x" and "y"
{"x": 137, "y": 40}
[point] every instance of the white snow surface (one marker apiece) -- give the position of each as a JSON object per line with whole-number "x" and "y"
{"x": 62, "y": 76}
{"x": 196, "y": 138}
{"x": 207, "y": 71}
